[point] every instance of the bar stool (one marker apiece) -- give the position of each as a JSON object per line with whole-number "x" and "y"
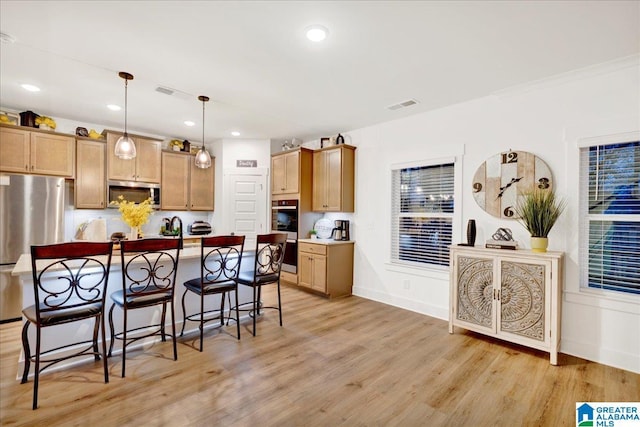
{"x": 149, "y": 268}
{"x": 267, "y": 265}
{"x": 220, "y": 259}
{"x": 69, "y": 285}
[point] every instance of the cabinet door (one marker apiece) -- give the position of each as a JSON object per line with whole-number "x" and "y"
{"x": 119, "y": 169}
{"x": 291, "y": 176}
{"x": 53, "y": 154}
{"x": 175, "y": 182}
{"x": 319, "y": 201}
{"x": 474, "y": 303}
{"x": 305, "y": 269}
{"x": 14, "y": 150}
{"x": 333, "y": 180}
{"x": 201, "y": 193}
{"x": 278, "y": 172}
{"x": 90, "y": 191}
{"x": 319, "y": 273}
{"x": 524, "y": 295}
{"x": 285, "y": 173}
{"x": 148, "y": 160}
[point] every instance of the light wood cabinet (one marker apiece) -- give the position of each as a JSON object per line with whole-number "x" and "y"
{"x": 145, "y": 167}
{"x": 326, "y": 268}
{"x": 334, "y": 179}
{"x": 511, "y": 295}
{"x": 291, "y": 175}
{"x": 36, "y": 152}
{"x": 202, "y": 186}
{"x": 90, "y": 184}
{"x": 184, "y": 185}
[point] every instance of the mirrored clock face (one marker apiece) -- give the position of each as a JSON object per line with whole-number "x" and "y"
{"x": 499, "y": 180}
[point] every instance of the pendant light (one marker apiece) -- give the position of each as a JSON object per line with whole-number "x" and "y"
{"x": 125, "y": 148}
{"x": 203, "y": 158}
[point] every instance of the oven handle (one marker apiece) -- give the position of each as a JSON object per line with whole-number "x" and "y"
{"x": 284, "y": 208}
{"x": 292, "y": 241}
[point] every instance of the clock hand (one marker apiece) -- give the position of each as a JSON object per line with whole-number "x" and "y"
{"x": 509, "y": 184}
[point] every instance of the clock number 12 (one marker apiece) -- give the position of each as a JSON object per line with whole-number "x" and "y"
{"x": 510, "y": 157}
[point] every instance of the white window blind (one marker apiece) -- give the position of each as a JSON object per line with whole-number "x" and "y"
{"x": 610, "y": 216}
{"x": 422, "y": 214}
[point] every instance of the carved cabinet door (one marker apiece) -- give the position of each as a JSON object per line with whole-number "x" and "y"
{"x": 523, "y": 300}
{"x": 475, "y": 302}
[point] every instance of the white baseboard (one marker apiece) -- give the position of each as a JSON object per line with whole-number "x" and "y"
{"x": 617, "y": 359}
{"x": 401, "y": 302}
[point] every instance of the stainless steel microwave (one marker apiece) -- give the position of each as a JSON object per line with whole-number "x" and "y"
{"x": 133, "y": 192}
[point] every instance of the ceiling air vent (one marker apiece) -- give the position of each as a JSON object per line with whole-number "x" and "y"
{"x": 173, "y": 92}
{"x": 403, "y": 104}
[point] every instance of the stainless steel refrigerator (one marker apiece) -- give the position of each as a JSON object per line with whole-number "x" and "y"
{"x": 31, "y": 213}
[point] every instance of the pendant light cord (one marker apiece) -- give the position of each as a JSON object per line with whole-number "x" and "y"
{"x": 203, "y": 101}
{"x": 126, "y": 84}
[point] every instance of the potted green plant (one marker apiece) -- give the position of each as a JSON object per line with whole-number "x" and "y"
{"x": 538, "y": 211}
{"x": 313, "y": 234}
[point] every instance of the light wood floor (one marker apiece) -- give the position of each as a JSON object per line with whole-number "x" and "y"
{"x": 349, "y": 361}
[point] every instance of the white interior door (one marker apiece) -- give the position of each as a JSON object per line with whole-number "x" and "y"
{"x": 247, "y": 205}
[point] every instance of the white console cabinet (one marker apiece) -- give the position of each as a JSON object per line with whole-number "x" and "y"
{"x": 513, "y": 295}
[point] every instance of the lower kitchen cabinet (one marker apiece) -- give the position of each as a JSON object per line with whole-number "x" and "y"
{"x": 326, "y": 267}
{"x": 511, "y": 295}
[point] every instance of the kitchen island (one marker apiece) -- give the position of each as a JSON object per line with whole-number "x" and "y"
{"x": 188, "y": 268}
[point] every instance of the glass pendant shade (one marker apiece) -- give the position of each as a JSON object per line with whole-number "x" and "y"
{"x": 125, "y": 147}
{"x": 203, "y": 158}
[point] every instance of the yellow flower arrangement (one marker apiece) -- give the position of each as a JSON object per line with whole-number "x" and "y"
{"x": 47, "y": 121}
{"x": 134, "y": 215}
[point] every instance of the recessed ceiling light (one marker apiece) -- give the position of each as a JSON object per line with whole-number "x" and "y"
{"x": 189, "y": 123}
{"x": 317, "y": 33}
{"x": 235, "y": 133}
{"x": 30, "y": 88}
{"x": 114, "y": 107}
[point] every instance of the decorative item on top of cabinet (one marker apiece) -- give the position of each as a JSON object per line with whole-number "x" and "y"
{"x": 90, "y": 185}
{"x": 326, "y": 267}
{"x": 514, "y": 296}
{"x": 334, "y": 179}
{"x": 144, "y": 167}
{"x": 291, "y": 173}
{"x": 32, "y": 151}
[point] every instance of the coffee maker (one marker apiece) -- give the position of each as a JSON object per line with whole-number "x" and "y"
{"x": 341, "y": 230}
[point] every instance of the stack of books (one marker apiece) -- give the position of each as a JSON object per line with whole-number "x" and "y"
{"x": 501, "y": 244}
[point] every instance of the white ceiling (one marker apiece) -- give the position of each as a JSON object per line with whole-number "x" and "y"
{"x": 266, "y": 80}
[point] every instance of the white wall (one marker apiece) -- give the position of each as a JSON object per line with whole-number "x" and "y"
{"x": 536, "y": 118}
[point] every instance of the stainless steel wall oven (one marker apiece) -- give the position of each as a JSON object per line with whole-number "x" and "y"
{"x": 284, "y": 219}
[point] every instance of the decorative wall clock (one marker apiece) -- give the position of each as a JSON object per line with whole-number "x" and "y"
{"x": 501, "y": 178}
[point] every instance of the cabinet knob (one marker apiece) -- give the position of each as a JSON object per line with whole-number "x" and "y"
{"x": 26, "y": 167}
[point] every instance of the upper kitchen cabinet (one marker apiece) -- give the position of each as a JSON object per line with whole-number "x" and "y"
{"x": 36, "y": 152}
{"x": 291, "y": 173}
{"x": 146, "y": 165}
{"x": 184, "y": 185}
{"x": 201, "y": 189}
{"x": 334, "y": 179}
{"x": 90, "y": 189}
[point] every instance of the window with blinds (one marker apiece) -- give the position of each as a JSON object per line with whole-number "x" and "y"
{"x": 422, "y": 214}
{"x": 610, "y": 216}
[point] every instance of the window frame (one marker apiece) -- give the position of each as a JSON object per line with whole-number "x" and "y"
{"x": 585, "y": 218}
{"x": 418, "y": 267}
